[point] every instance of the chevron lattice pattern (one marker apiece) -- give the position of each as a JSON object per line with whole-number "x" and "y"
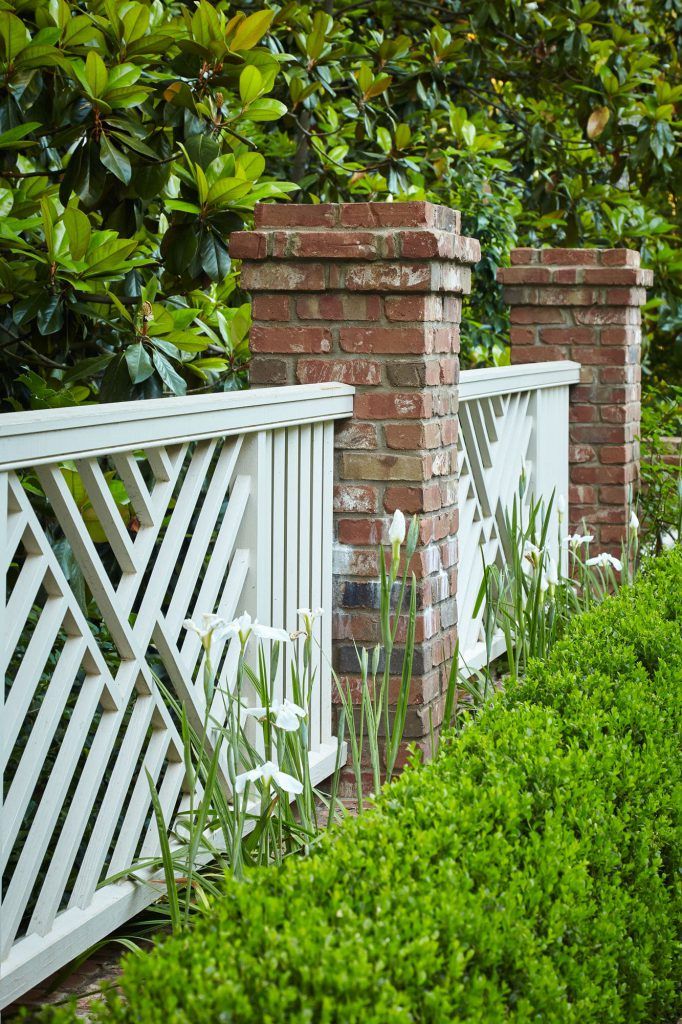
{"x": 104, "y": 558}
{"x": 495, "y": 441}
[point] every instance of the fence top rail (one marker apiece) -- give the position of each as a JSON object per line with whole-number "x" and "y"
{"x": 38, "y": 437}
{"x": 507, "y": 380}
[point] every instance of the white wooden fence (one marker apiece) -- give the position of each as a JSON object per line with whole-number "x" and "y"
{"x": 163, "y": 510}
{"x": 509, "y": 416}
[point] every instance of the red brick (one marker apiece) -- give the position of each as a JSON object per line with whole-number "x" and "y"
{"x": 336, "y": 245}
{"x": 536, "y": 353}
{"x": 355, "y": 498}
{"x": 282, "y": 277}
{"x": 598, "y": 315}
{"x": 406, "y": 436}
{"x": 598, "y": 474}
{"x": 271, "y": 307}
{"x": 295, "y": 215}
{"x": 537, "y": 315}
{"x": 338, "y": 307}
{"x": 410, "y": 308}
{"x": 567, "y": 335}
{"x": 612, "y": 275}
{"x": 413, "y": 500}
{"x": 616, "y": 453}
{"x": 525, "y": 256}
{"x": 620, "y": 258}
{"x": 361, "y": 531}
{"x": 383, "y": 466}
{"x": 347, "y": 371}
{"x": 384, "y": 339}
{"x": 290, "y": 339}
{"x": 380, "y": 277}
{"x": 625, "y": 296}
{"x": 570, "y": 257}
{"x": 248, "y": 245}
{"x": 351, "y": 434}
{"x": 410, "y": 214}
{"x": 269, "y": 371}
{"x": 524, "y": 275}
{"x": 393, "y": 405}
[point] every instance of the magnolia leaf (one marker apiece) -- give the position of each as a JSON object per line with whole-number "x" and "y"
{"x": 170, "y": 378}
{"x": 114, "y": 160}
{"x": 78, "y": 231}
{"x": 96, "y": 74}
{"x": 250, "y": 84}
{"x": 265, "y": 110}
{"x": 251, "y": 30}
{"x": 597, "y": 122}
{"x": 139, "y": 364}
{"x": 13, "y": 35}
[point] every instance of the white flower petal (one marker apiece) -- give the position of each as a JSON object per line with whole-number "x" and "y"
{"x": 288, "y": 783}
{"x": 270, "y": 633}
{"x": 397, "y": 529}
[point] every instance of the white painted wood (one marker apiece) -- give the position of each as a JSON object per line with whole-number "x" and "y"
{"x": 509, "y": 417}
{"x": 508, "y": 380}
{"x": 232, "y": 503}
{"x": 34, "y": 438}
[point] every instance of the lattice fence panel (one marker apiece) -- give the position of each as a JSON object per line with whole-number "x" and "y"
{"x": 104, "y": 558}
{"x": 500, "y": 434}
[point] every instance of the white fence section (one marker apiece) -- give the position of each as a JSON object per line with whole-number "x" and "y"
{"x": 508, "y": 416}
{"x": 116, "y": 523}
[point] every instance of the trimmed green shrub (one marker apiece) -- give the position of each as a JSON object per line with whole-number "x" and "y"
{"x": 532, "y": 873}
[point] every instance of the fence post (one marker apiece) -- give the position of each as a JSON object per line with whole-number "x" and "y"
{"x": 370, "y": 294}
{"x": 584, "y": 304}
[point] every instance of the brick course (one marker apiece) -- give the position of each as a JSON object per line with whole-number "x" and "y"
{"x": 584, "y": 304}
{"x": 370, "y": 294}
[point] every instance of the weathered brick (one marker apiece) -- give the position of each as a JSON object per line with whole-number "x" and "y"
{"x": 390, "y": 340}
{"x": 393, "y": 405}
{"x": 271, "y": 307}
{"x": 296, "y": 215}
{"x": 410, "y": 308}
{"x": 347, "y": 371}
{"x": 293, "y": 340}
{"x": 282, "y": 277}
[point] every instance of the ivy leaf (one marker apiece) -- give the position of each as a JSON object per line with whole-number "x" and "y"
{"x": 170, "y": 378}
{"x": 114, "y": 160}
{"x": 139, "y": 364}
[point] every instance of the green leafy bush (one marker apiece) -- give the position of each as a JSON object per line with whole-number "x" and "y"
{"x": 530, "y": 873}
{"x": 135, "y": 136}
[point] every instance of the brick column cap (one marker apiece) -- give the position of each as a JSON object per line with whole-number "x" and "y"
{"x": 575, "y": 277}
{"x": 352, "y": 232}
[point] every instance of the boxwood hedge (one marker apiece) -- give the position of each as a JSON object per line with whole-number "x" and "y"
{"x": 532, "y": 873}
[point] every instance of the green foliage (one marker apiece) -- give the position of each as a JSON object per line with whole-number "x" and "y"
{"x": 550, "y": 124}
{"x": 660, "y": 496}
{"x": 126, "y": 162}
{"x": 134, "y": 137}
{"x": 530, "y": 873}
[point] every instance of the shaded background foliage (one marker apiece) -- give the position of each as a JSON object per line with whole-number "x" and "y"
{"x": 135, "y": 136}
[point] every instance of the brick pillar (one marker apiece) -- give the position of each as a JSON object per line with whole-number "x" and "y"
{"x": 584, "y": 304}
{"x": 370, "y": 294}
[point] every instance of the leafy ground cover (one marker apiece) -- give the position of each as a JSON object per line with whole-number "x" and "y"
{"x": 531, "y": 871}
